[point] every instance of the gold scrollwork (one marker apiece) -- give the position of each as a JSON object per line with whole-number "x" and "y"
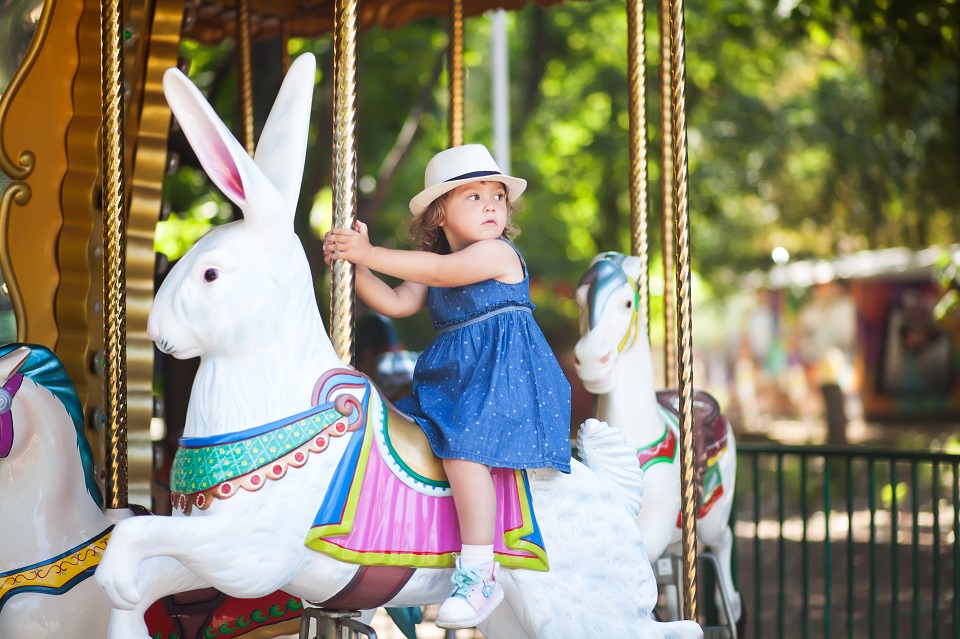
{"x": 27, "y": 160}
{"x": 18, "y": 192}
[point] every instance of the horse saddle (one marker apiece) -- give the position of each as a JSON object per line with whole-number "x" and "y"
{"x": 389, "y": 502}
{"x": 710, "y": 439}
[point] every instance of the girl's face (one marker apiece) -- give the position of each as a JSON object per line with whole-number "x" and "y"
{"x": 475, "y": 211}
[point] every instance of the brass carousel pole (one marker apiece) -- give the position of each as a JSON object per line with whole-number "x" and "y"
{"x": 344, "y": 170}
{"x": 285, "y": 44}
{"x": 639, "y": 213}
{"x": 666, "y": 171}
{"x": 684, "y": 325}
{"x": 455, "y": 69}
{"x": 114, "y": 259}
{"x": 246, "y": 75}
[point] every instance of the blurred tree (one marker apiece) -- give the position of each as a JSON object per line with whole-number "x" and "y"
{"x": 819, "y": 126}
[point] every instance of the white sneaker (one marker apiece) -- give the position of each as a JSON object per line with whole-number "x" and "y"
{"x": 476, "y": 594}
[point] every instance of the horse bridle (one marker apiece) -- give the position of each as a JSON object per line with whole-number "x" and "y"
{"x": 7, "y": 393}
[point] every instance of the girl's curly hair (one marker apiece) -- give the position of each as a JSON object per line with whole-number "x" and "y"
{"x": 427, "y": 234}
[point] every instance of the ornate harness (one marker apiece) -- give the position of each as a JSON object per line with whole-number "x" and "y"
{"x": 58, "y": 575}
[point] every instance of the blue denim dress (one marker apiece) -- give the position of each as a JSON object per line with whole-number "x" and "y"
{"x": 488, "y": 388}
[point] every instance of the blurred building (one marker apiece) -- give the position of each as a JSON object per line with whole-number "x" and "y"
{"x": 863, "y": 323}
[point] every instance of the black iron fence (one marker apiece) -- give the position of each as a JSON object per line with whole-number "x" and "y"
{"x": 848, "y": 542}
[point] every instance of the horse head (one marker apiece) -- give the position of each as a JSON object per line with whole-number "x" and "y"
{"x": 610, "y": 324}
{"x": 41, "y": 422}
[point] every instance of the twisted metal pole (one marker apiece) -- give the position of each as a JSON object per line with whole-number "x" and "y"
{"x": 246, "y": 74}
{"x": 684, "y": 325}
{"x": 343, "y": 300}
{"x": 667, "y": 230}
{"x": 455, "y": 69}
{"x": 639, "y": 209}
{"x": 114, "y": 256}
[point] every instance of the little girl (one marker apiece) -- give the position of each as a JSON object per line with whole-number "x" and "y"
{"x": 487, "y": 391}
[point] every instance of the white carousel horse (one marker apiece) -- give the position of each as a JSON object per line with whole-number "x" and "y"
{"x": 271, "y": 456}
{"x": 614, "y": 362}
{"x": 49, "y": 504}
{"x": 55, "y": 532}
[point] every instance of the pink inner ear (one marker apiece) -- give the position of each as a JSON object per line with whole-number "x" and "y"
{"x": 224, "y": 170}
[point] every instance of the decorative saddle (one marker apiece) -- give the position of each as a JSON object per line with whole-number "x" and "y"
{"x": 709, "y": 444}
{"x": 390, "y": 504}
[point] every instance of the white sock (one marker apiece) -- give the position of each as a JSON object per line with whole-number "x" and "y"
{"x": 474, "y": 556}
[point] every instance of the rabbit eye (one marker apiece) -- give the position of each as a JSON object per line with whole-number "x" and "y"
{"x": 628, "y": 304}
{"x": 210, "y": 274}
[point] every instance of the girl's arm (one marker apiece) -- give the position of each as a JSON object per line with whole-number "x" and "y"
{"x": 403, "y": 301}
{"x": 483, "y": 260}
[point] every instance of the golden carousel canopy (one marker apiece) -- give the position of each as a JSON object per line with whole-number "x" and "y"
{"x": 210, "y": 21}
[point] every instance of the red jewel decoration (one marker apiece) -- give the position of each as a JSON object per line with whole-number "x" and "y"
{"x": 183, "y": 502}
{"x": 277, "y": 469}
{"x": 341, "y": 427}
{"x": 201, "y": 500}
{"x": 321, "y": 442}
{"x": 225, "y": 489}
{"x": 255, "y": 480}
{"x": 298, "y": 457}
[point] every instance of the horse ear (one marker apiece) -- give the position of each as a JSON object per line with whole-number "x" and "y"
{"x": 12, "y": 361}
{"x": 631, "y": 266}
{"x": 282, "y": 147}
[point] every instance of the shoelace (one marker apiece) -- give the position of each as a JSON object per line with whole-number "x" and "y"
{"x": 465, "y": 579}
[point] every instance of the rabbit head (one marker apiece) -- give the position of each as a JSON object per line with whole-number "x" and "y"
{"x": 244, "y": 286}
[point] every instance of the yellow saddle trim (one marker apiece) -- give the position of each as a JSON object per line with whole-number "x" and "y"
{"x": 57, "y": 575}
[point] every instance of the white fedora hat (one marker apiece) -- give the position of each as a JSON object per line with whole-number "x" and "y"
{"x": 462, "y": 165}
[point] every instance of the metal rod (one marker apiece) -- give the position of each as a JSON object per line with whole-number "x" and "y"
{"x": 285, "y": 35}
{"x": 781, "y": 551}
{"x": 894, "y": 552}
{"x": 114, "y": 254}
{"x": 639, "y": 207}
{"x": 344, "y": 170}
{"x": 246, "y": 75}
{"x": 872, "y": 501}
{"x": 804, "y": 552}
{"x": 850, "y": 547}
{"x": 500, "y": 87}
{"x": 688, "y": 487}
{"x": 915, "y": 545}
{"x": 455, "y": 69}
{"x": 827, "y": 552}
{"x": 936, "y": 549}
{"x": 667, "y": 224}
{"x": 757, "y": 560}
{"x": 956, "y": 555}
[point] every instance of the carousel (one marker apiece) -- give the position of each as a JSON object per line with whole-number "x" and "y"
{"x": 91, "y": 93}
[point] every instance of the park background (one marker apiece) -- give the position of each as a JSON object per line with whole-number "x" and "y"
{"x": 823, "y": 152}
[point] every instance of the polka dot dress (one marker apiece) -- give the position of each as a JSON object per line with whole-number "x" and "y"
{"x": 488, "y": 388}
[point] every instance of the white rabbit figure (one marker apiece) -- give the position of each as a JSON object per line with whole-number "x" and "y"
{"x": 242, "y": 299}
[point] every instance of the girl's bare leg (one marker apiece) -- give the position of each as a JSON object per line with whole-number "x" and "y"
{"x": 475, "y": 499}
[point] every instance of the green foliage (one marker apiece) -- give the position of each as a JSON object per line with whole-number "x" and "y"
{"x": 820, "y": 126}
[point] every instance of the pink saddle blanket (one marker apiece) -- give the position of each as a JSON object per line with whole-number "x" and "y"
{"x": 379, "y": 511}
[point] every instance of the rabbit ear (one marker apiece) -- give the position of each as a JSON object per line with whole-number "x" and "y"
{"x": 283, "y": 142}
{"x": 222, "y": 157}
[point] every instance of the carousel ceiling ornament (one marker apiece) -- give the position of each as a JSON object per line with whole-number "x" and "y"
{"x": 211, "y": 21}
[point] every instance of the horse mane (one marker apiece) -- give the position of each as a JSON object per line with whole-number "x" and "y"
{"x": 44, "y": 369}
